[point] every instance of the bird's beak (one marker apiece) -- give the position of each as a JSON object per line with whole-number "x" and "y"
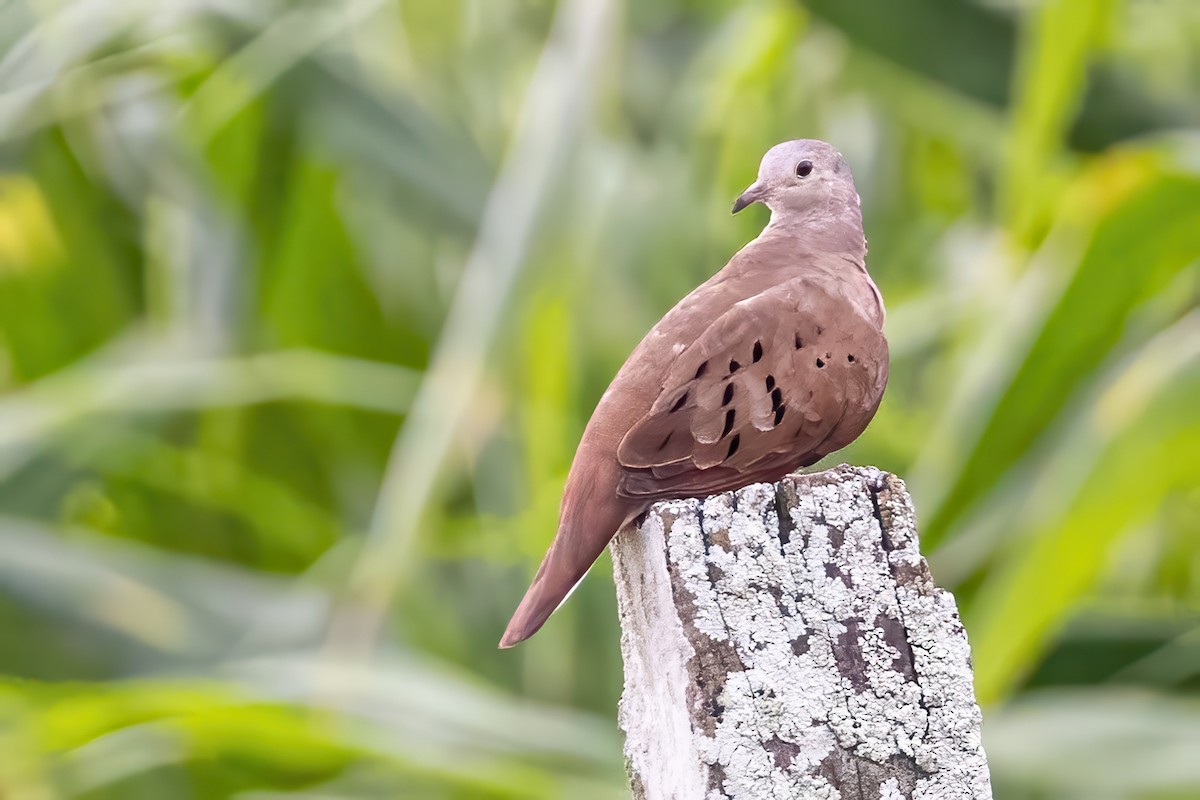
{"x": 754, "y": 194}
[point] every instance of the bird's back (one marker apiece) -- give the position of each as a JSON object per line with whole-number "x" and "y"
{"x": 774, "y": 362}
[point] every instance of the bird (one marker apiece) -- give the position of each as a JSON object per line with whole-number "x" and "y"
{"x": 774, "y": 362}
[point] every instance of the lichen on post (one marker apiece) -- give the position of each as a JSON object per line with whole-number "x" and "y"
{"x": 788, "y": 641}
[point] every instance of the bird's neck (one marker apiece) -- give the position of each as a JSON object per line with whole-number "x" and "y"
{"x": 819, "y": 230}
{"x": 832, "y": 224}
{"x": 824, "y": 234}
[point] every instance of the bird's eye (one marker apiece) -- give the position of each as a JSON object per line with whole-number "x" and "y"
{"x": 803, "y": 169}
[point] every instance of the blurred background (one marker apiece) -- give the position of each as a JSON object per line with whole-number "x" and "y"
{"x": 304, "y": 305}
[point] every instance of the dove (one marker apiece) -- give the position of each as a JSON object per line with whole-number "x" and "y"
{"x": 776, "y": 361}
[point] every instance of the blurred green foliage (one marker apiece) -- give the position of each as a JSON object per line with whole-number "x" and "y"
{"x": 303, "y": 306}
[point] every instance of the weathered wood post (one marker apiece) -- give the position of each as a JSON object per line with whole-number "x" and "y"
{"x": 787, "y": 641}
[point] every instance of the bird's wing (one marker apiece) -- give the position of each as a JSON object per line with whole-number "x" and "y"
{"x": 757, "y": 394}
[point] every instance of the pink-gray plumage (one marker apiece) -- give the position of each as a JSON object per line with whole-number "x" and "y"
{"x": 773, "y": 363}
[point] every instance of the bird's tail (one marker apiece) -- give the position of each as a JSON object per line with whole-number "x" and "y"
{"x": 577, "y": 545}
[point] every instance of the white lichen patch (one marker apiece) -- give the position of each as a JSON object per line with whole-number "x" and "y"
{"x": 806, "y": 657}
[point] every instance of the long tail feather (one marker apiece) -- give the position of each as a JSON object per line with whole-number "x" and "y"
{"x": 581, "y": 539}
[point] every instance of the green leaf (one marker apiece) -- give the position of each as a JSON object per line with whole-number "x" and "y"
{"x": 1152, "y": 436}
{"x": 1135, "y": 249}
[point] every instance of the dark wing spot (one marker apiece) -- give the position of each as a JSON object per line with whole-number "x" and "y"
{"x": 850, "y": 357}
{"x": 820, "y": 363}
{"x": 820, "y": 330}
{"x": 666, "y": 439}
{"x": 733, "y": 445}
{"x": 728, "y": 394}
{"x": 799, "y": 342}
{"x": 700, "y": 370}
{"x": 734, "y": 367}
{"x": 776, "y": 398}
{"x": 770, "y": 382}
{"x": 757, "y": 352}
{"x": 779, "y": 414}
{"x": 729, "y": 415}
{"x": 679, "y": 403}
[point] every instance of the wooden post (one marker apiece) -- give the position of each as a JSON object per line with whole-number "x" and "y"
{"x": 787, "y": 641}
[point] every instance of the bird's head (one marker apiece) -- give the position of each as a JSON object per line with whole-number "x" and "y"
{"x": 803, "y": 177}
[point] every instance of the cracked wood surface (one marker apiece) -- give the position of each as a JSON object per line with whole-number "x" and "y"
{"x": 787, "y": 641}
